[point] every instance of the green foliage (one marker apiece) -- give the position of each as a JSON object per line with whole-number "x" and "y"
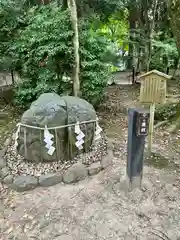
{"x": 164, "y": 54}
{"x": 157, "y": 64}
{"x": 174, "y": 7}
{"x": 36, "y": 41}
{"x": 167, "y": 111}
{"x": 166, "y": 47}
{"x": 116, "y": 29}
{"x": 94, "y": 71}
{"x": 44, "y": 50}
{"x": 103, "y": 8}
{"x": 12, "y": 18}
{"x": 116, "y": 32}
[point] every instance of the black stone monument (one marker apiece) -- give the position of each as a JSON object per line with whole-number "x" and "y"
{"x": 138, "y": 123}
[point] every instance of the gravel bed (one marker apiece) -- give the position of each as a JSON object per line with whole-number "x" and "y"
{"x": 18, "y": 165}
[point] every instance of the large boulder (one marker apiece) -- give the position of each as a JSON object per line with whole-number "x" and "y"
{"x": 52, "y": 110}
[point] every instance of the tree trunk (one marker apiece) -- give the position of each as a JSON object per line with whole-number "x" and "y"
{"x": 45, "y": 2}
{"x": 12, "y": 75}
{"x": 150, "y": 34}
{"x": 132, "y": 27}
{"x": 64, "y": 4}
{"x": 174, "y": 7}
{"x": 75, "y": 75}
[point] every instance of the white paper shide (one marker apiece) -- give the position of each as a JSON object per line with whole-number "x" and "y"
{"x": 49, "y": 142}
{"x": 97, "y": 132}
{"x": 17, "y": 136}
{"x": 80, "y": 137}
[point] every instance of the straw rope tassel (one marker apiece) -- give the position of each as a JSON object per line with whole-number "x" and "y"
{"x": 25, "y": 142}
{"x": 57, "y": 145}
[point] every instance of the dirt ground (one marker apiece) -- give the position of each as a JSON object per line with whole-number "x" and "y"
{"x": 97, "y": 208}
{"x": 101, "y": 207}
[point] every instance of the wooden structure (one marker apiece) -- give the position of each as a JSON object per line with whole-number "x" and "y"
{"x": 153, "y": 90}
{"x": 153, "y": 87}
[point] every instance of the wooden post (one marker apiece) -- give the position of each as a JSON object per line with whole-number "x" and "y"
{"x": 151, "y": 128}
{"x": 135, "y": 147}
{"x": 133, "y": 75}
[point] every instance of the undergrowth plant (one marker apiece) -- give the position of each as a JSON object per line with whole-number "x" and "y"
{"x": 44, "y": 50}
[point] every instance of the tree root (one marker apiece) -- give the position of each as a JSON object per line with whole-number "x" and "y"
{"x": 160, "y": 124}
{"x": 160, "y": 234}
{"x": 175, "y": 126}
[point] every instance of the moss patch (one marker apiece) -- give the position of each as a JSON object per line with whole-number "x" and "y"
{"x": 160, "y": 162}
{"x": 8, "y": 122}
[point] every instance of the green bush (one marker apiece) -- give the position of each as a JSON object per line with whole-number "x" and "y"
{"x": 44, "y": 50}
{"x": 94, "y": 71}
{"x": 156, "y": 64}
{"x": 12, "y": 18}
{"x": 166, "y": 111}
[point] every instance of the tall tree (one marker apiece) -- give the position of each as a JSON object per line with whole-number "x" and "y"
{"x": 75, "y": 75}
{"x": 12, "y": 19}
{"x": 144, "y": 18}
{"x": 174, "y": 7}
{"x": 132, "y": 28}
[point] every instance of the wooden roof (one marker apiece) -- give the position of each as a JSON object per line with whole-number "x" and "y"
{"x": 155, "y": 72}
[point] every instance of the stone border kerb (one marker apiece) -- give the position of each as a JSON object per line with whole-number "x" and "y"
{"x": 73, "y": 174}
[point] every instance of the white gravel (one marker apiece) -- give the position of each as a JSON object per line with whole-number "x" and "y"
{"x": 18, "y": 165}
